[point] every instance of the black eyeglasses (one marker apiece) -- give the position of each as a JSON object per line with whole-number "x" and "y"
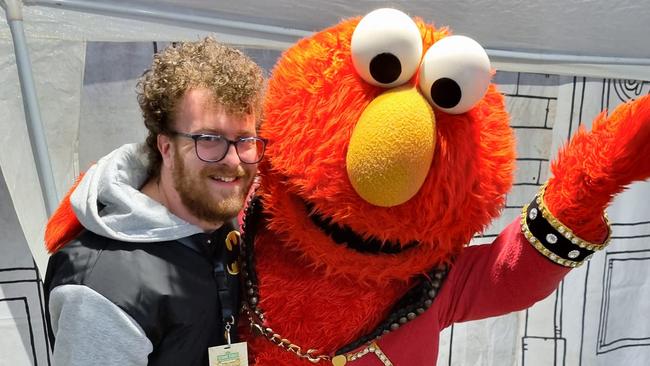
{"x": 213, "y": 148}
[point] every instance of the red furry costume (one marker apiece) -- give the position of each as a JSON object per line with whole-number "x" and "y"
{"x": 323, "y": 295}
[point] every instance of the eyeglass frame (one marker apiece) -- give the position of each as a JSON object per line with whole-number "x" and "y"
{"x": 197, "y": 136}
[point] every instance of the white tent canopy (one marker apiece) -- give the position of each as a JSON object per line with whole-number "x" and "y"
{"x": 604, "y": 40}
{"x": 556, "y": 32}
{"x": 597, "y": 38}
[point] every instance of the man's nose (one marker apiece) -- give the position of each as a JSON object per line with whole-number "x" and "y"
{"x": 231, "y": 158}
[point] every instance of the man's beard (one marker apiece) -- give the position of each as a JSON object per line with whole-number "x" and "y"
{"x": 197, "y": 198}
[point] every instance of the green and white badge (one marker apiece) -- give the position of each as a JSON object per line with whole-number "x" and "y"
{"x": 235, "y": 354}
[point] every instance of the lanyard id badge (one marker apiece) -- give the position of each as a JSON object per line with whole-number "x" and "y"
{"x": 226, "y": 270}
{"x": 235, "y": 354}
{"x": 230, "y": 354}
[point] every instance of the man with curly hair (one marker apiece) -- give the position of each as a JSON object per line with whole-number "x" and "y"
{"x": 152, "y": 280}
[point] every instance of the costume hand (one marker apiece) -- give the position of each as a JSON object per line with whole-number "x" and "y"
{"x": 63, "y": 226}
{"x": 597, "y": 165}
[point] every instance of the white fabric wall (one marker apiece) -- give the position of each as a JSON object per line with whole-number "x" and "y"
{"x": 599, "y": 314}
{"x": 23, "y": 339}
{"x": 58, "y": 70}
{"x": 86, "y": 93}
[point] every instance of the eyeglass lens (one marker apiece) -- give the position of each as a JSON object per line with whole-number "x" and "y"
{"x": 214, "y": 148}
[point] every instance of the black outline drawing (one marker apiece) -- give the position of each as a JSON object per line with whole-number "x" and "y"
{"x": 613, "y": 93}
{"x": 29, "y": 322}
{"x": 604, "y": 344}
{"x": 36, "y": 280}
{"x": 606, "y": 103}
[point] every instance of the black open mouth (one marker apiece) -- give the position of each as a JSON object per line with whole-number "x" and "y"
{"x": 343, "y": 235}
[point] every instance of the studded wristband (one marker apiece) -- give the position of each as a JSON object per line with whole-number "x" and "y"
{"x": 553, "y": 239}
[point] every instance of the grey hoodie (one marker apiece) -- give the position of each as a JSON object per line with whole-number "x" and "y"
{"x": 89, "y": 329}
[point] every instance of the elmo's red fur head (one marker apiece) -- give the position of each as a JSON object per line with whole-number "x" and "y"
{"x": 380, "y": 179}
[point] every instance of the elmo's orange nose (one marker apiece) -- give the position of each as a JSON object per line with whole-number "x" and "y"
{"x": 391, "y": 147}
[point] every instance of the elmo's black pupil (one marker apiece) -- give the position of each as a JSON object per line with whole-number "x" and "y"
{"x": 446, "y": 93}
{"x": 385, "y": 68}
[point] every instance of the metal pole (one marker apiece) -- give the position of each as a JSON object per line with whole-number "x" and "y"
{"x": 13, "y": 9}
{"x": 138, "y": 11}
{"x": 562, "y": 58}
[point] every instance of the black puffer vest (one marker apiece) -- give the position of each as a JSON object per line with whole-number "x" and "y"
{"x": 171, "y": 289}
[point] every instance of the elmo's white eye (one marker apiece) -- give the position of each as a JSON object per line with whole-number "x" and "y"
{"x": 386, "y": 48}
{"x": 455, "y": 74}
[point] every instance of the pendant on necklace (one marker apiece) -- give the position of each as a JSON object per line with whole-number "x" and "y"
{"x": 373, "y": 348}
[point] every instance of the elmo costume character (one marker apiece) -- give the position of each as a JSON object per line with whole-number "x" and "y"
{"x": 389, "y": 150}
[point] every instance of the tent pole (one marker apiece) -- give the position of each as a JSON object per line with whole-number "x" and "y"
{"x": 137, "y": 11}
{"x": 13, "y": 9}
{"x": 561, "y": 58}
{"x": 152, "y": 13}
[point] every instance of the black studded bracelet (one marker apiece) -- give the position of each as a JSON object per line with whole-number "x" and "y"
{"x": 553, "y": 239}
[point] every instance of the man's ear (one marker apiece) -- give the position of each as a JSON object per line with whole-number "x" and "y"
{"x": 165, "y": 147}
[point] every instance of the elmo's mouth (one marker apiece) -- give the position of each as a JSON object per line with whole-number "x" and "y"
{"x": 343, "y": 235}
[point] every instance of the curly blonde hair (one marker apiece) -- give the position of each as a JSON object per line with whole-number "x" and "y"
{"x": 236, "y": 82}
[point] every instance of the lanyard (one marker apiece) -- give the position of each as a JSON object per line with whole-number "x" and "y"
{"x": 224, "y": 257}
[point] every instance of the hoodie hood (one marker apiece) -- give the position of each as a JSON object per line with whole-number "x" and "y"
{"x": 109, "y": 203}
